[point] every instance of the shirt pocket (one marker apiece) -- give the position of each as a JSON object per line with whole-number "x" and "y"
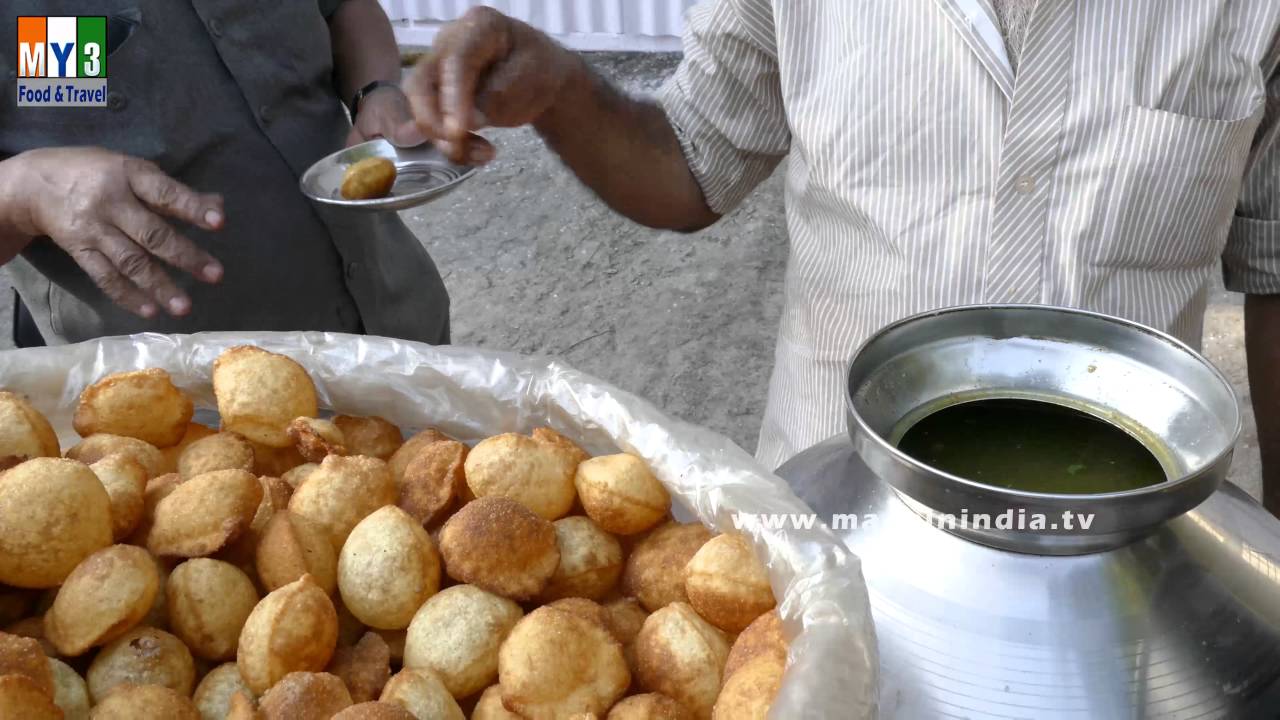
{"x": 1174, "y": 183}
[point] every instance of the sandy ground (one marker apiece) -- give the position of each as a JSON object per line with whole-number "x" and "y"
{"x": 535, "y": 264}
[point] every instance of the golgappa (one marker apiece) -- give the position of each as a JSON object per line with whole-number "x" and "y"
{"x": 259, "y": 393}
{"x": 142, "y": 404}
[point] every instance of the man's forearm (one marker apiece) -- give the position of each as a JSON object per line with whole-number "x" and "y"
{"x": 364, "y": 47}
{"x": 13, "y": 235}
{"x": 625, "y": 149}
{"x": 1262, "y": 345}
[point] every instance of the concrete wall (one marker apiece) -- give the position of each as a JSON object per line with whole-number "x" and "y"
{"x": 629, "y": 25}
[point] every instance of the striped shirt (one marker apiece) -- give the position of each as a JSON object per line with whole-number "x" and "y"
{"x": 1138, "y": 145}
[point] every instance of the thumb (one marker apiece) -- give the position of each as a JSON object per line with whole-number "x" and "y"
{"x": 407, "y": 134}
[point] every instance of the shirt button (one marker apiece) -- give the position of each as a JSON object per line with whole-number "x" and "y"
{"x": 265, "y": 114}
{"x": 353, "y": 269}
{"x": 1025, "y": 184}
{"x": 116, "y": 100}
{"x": 215, "y": 28}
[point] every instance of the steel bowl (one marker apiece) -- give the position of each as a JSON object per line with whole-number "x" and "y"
{"x": 423, "y": 174}
{"x": 1145, "y": 382}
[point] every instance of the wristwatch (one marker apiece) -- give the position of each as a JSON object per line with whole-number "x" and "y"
{"x": 354, "y": 107}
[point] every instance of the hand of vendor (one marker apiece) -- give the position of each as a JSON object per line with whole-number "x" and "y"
{"x": 111, "y": 213}
{"x": 384, "y": 113}
{"x": 486, "y": 69}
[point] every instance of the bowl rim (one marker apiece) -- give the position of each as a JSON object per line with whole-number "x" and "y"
{"x": 1168, "y": 485}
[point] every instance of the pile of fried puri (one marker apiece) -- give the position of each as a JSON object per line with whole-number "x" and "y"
{"x": 287, "y": 566}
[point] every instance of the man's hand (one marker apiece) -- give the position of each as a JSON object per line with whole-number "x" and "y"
{"x": 384, "y": 113}
{"x": 107, "y": 211}
{"x": 486, "y": 69}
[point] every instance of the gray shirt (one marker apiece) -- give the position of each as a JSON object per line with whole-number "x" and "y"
{"x": 235, "y": 97}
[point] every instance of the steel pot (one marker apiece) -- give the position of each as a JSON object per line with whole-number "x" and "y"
{"x": 1168, "y": 605}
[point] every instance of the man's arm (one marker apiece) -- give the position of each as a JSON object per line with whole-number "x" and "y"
{"x": 719, "y": 131}
{"x": 364, "y": 51}
{"x": 1262, "y": 346}
{"x": 111, "y": 214}
{"x": 1251, "y": 265}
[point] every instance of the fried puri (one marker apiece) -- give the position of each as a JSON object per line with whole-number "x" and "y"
{"x": 749, "y": 692}
{"x": 316, "y": 439}
{"x": 95, "y": 447}
{"x": 682, "y": 656}
{"x": 292, "y": 546}
{"x": 621, "y": 494}
{"x": 70, "y": 693}
{"x": 364, "y": 667}
{"x": 369, "y": 178}
{"x": 422, "y": 693}
{"x": 305, "y": 696}
{"x": 133, "y": 701}
{"x": 649, "y": 706}
{"x": 219, "y": 451}
{"x": 457, "y": 634}
{"x": 590, "y": 561}
{"x": 372, "y": 436}
{"x": 142, "y": 656}
{"x": 490, "y": 706}
{"x": 204, "y": 514}
{"x": 538, "y": 475}
{"x": 56, "y": 514}
{"x": 104, "y": 596}
{"x": 388, "y": 567}
{"x": 208, "y": 602}
{"x": 24, "y": 656}
{"x": 556, "y": 663}
{"x": 727, "y": 584}
{"x": 259, "y": 393}
{"x": 142, "y": 404}
{"x": 192, "y": 433}
{"x": 432, "y": 482}
{"x": 21, "y": 699}
{"x": 501, "y": 546}
{"x": 294, "y": 628}
{"x": 762, "y": 637}
{"x": 24, "y": 432}
{"x": 654, "y": 573}
{"x": 342, "y": 492}
{"x": 375, "y": 711}
{"x": 213, "y": 695}
{"x": 409, "y": 448}
{"x": 125, "y": 481}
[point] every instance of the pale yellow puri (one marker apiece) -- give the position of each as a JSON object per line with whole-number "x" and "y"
{"x": 457, "y": 634}
{"x": 556, "y": 663}
{"x": 749, "y": 693}
{"x": 62, "y": 514}
{"x": 422, "y": 693}
{"x": 368, "y": 178}
{"x": 70, "y": 693}
{"x": 292, "y": 629}
{"x": 95, "y": 447}
{"x": 22, "y": 699}
{"x": 301, "y": 695}
{"x": 142, "y": 404}
{"x": 142, "y": 656}
{"x": 654, "y": 573}
{"x": 130, "y": 702}
{"x": 219, "y": 451}
{"x": 213, "y": 695}
{"x": 259, "y": 393}
{"x": 682, "y": 656}
{"x": 24, "y": 432}
{"x": 125, "y": 481}
{"x": 291, "y": 546}
{"x": 342, "y": 492}
{"x": 204, "y": 514}
{"x": 388, "y": 567}
{"x": 621, "y": 494}
{"x": 727, "y": 584}
{"x": 104, "y": 596}
{"x": 590, "y": 561}
{"x": 538, "y": 475}
{"x": 500, "y": 545}
{"x": 208, "y": 602}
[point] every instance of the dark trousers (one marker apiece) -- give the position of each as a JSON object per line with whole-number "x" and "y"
{"x": 25, "y": 332}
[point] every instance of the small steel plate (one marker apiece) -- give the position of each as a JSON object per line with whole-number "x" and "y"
{"x": 422, "y": 175}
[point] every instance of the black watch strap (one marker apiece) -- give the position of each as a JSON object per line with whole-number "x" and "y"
{"x": 354, "y": 107}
